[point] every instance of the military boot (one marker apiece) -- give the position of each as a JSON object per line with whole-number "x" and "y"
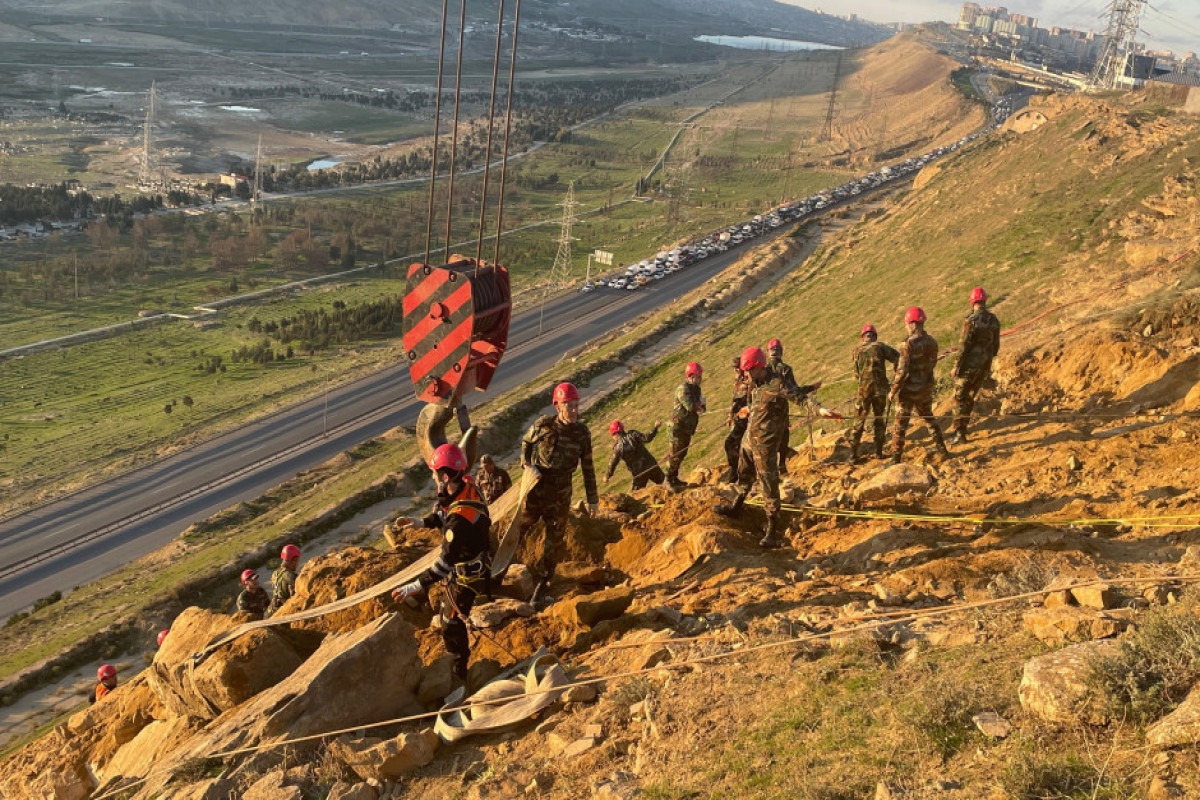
{"x": 771, "y": 539}
{"x": 855, "y": 441}
{"x": 959, "y": 437}
{"x": 731, "y": 509}
{"x": 878, "y": 447}
{"x": 729, "y": 475}
{"x": 675, "y": 484}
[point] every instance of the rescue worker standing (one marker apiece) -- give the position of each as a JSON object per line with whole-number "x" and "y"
{"x": 912, "y": 388}
{"x": 106, "y": 681}
{"x": 253, "y": 598}
{"x": 768, "y": 392}
{"x": 464, "y": 563}
{"x": 491, "y": 482}
{"x": 979, "y": 344}
{"x": 283, "y": 580}
{"x": 736, "y": 421}
{"x": 776, "y": 365}
{"x": 871, "y": 358}
{"x": 630, "y": 446}
{"x": 555, "y": 445}
{"x": 685, "y": 416}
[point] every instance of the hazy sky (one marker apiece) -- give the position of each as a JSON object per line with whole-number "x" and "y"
{"x": 1174, "y": 25}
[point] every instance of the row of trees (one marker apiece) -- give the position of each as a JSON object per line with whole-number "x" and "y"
{"x": 319, "y": 329}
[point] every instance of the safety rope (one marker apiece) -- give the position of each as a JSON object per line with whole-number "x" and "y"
{"x": 864, "y": 623}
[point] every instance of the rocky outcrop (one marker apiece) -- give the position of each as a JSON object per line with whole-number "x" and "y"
{"x": 1180, "y": 727}
{"x": 387, "y": 759}
{"x": 381, "y": 655}
{"x": 227, "y": 678}
{"x": 591, "y": 608}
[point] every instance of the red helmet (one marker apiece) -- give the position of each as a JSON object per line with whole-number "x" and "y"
{"x": 105, "y": 672}
{"x": 753, "y": 357}
{"x": 162, "y": 637}
{"x": 249, "y": 574}
{"x": 565, "y": 392}
{"x": 978, "y": 295}
{"x": 448, "y": 456}
{"x": 616, "y": 427}
{"x": 693, "y": 369}
{"x": 869, "y": 328}
{"x": 774, "y": 344}
{"x": 290, "y": 551}
{"x": 914, "y": 314}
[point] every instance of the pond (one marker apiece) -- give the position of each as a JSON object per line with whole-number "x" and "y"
{"x": 323, "y": 163}
{"x": 764, "y": 43}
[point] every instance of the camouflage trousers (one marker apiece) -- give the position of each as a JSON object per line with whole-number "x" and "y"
{"x": 922, "y": 405}
{"x": 681, "y": 440}
{"x": 761, "y": 463}
{"x": 550, "y": 505}
{"x": 966, "y": 386}
{"x": 784, "y": 439}
{"x": 733, "y": 442}
{"x": 866, "y": 406}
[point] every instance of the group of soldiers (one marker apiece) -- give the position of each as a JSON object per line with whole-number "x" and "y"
{"x": 756, "y": 449}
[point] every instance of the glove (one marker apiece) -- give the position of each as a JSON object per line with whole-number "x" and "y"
{"x": 402, "y": 522}
{"x": 593, "y": 509}
{"x": 744, "y": 413}
{"x": 828, "y": 413}
{"x": 406, "y": 591}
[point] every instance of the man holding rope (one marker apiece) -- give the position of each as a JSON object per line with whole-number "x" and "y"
{"x": 685, "y": 417}
{"x": 465, "y": 561}
{"x": 871, "y": 358}
{"x": 630, "y": 446}
{"x": 979, "y": 344}
{"x": 914, "y": 383}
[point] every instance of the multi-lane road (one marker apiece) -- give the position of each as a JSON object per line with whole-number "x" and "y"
{"x": 89, "y": 534}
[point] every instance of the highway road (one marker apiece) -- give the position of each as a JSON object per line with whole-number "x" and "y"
{"x": 89, "y": 534}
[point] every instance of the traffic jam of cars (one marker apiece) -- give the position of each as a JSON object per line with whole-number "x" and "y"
{"x": 667, "y": 262}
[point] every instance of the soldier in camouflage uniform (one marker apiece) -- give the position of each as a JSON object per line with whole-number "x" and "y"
{"x": 775, "y": 363}
{"x": 630, "y": 447}
{"x": 979, "y": 345}
{"x": 871, "y": 358}
{"x": 736, "y": 421}
{"x": 283, "y": 580}
{"x": 768, "y": 392}
{"x": 491, "y": 482}
{"x": 555, "y": 445}
{"x": 913, "y": 386}
{"x": 685, "y": 416}
{"x": 253, "y": 599}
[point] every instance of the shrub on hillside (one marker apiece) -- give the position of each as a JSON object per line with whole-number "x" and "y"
{"x": 1156, "y": 666}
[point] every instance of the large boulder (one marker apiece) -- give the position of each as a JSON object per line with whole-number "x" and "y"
{"x": 1058, "y": 686}
{"x": 1180, "y": 727}
{"x": 134, "y": 759}
{"x": 339, "y": 574}
{"x": 894, "y": 480}
{"x": 1060, "y": 625}
{"x": 227, "y": 678}
{"x": 355, "y": 678}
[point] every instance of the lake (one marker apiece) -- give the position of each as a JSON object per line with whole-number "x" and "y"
{"x": 764, "y": 43}
{"x": 324, "y": 163}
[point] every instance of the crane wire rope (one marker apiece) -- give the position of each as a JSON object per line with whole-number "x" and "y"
{"x": 437, "y": 118}
{"x": 487, "y": 158}
{"x": 462, "y": 26}
{"x": 512, "y": 71}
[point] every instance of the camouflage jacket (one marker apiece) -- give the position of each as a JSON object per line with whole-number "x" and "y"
{"x": 255, "y": 600}
{"x": 556, "y": 449}
{"x": 492, "y": 485}
{"x": 769, "y": 408}
{"x": 870, "y": 366}
{"x": 630, "y": 447}
{"x": 688, "y": 402}
{"x": 918, "y": 359}
{"x": 741, "y": 394}
{"x": 980, "y": 341}
{"x": 283, "y": 586}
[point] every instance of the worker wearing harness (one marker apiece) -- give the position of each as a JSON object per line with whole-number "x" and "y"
{"x": 465, "y": 561}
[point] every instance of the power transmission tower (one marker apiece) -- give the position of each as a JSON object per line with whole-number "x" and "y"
{"x": 827, "y": 132}
{"x": 1123, "y": 19}
{"x": 146, "y": 171}
{"x": 256, "y": 195}
{"x": 562, "y": 259}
